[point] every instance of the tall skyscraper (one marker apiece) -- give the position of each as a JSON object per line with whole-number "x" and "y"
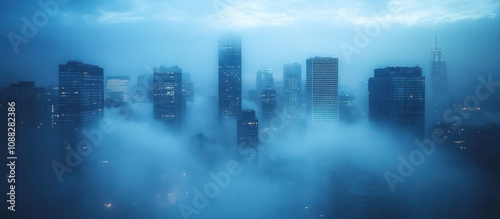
{"x": 397, "y": 98}
{"x": 292, "y": 80}
{"x": 81, "y": 95}
{"x": 229, "y": 76}
{"x": 168, "y": 101}
{"x": 117, "y": 89}
{"x": 247, "y": 130}
{"x": 438, "y": 79}
{"x": 322, "y": 96}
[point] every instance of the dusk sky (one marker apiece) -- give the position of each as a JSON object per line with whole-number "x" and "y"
{"x": 129, "y": 37}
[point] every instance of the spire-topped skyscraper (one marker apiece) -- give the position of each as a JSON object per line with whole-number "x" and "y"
{"x": 438, "y": 75}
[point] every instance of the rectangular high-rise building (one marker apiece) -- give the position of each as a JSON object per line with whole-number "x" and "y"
{"x": 229, "y": 76}
{"x": 322, "y": 96}
{"x": 397, "y": 98}
{"x": 247, "y": 131}
{"x": 292, "y": 82}
{"x": 81, "y": 95}
{"x": 168, "y": 100}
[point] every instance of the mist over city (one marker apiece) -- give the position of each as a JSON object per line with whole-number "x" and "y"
{"x": 250, "y": 109}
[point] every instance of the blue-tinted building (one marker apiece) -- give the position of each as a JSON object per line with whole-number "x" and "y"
{"x": 168, "y": 99}
{"x": 397, "y": 98}
{"x": 322, "y": 96}
{"x": 81, "y": 95}
{"x": 292, "y": 85}
{"x": 229, "y": 76}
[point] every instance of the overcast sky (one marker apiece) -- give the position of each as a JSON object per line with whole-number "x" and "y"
{"x": 127, "y": 37}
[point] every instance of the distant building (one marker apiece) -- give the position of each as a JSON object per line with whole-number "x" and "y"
{"x": 52, "y": 96}
{"x": 347, "y": 108}
{"x": 187, "y": 88}
{"x": 81, "y": 95}
{"x": 268, "y": 105}
{"x": 322, "y": 97}
{"x": 31, "y": 111}
{"x": 264, "y": 80}
{"x": 117, "y": 89}
{"x": 142, "y": 92}
{"x": 247, "y": 130}
{"x": 292, "y": 82}
{"x": 168, "y": 101}
{"x": 438, "y": 76}
{"x": 437, "y": 85}
{"x": 397, "y": 98}
{"x": 229, "y": 76}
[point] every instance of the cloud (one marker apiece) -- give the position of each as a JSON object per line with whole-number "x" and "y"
{"x": 239, "y": 13}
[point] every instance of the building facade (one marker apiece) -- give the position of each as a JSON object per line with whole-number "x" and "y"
{"x": 168, "y": 100}
{"x": 229, "y": 76}
{"x": 397, "y": 98}
{"x": 322, "y": 97}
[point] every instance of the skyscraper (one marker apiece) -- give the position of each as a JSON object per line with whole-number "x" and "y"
{"x": 229, "y": 76}
{"x": 168, "y": 100}
{"x": 81, "y": 95}
{"x": 322, "y": 97}
{"x": 292, "y": 79}
{"x": 247, "y": 130}
{"x": 438, "y": 79}
{"x": 397, "y": 98}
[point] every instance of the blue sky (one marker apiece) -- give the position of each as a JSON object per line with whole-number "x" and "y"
{"x": 130, "y": 36}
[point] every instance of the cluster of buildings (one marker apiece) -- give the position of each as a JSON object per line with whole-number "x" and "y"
{"x": 396, "y": 95}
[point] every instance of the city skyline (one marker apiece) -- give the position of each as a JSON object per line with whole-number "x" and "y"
{"x": 250, "y": 109}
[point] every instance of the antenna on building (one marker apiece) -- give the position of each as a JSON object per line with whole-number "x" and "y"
{"x": 435, "y": 38}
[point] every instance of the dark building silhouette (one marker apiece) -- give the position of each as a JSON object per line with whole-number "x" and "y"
{"x": 247, "y": 130}
{"x": 322, "y": 97}
{"x": 397, "y": 98}
{"x": 81, "y": 96}
{"x": 292, "y": 85}
{"x": 31, "y": 104}
{"x": 168, "y": 100}
{"x": 229, "y": 76}
{"x": 268, "y": 105}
